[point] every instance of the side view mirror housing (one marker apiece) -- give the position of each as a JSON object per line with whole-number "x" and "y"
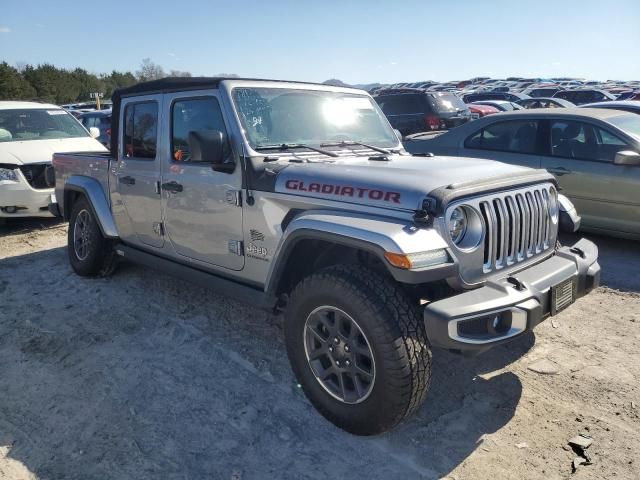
{"x": 627, "y": 157}
{"x": 210, "y": 146}
{"x": 398, "y": 134}
{"x": 94, "y": 132}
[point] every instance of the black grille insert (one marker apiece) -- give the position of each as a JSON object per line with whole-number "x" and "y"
{"x": 36, "y": 175}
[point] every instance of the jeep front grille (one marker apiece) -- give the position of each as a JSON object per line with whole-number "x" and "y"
{"x": 36, "y": 175}
{"x": 518, "y": 227}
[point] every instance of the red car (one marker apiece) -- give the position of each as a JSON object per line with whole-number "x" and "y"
{"x": 478, "y": 111}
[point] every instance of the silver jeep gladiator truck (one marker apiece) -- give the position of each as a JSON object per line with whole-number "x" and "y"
{"x": 300, "y": 198}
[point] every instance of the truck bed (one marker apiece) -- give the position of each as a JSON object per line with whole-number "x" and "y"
{"x": 94, "y": 165}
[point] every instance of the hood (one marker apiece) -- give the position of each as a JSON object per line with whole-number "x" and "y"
{"x": 40, "y": 151}
{"x": 402, "y": 182}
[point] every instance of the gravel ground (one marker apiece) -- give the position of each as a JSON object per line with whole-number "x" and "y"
{"x": 142, "y": 376}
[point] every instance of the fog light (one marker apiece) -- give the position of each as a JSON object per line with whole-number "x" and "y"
{"x": 11, "y": 209}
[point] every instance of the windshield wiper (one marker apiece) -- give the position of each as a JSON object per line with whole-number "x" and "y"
{"x": 350, "y": 143}
{"x": 291, "y": 146}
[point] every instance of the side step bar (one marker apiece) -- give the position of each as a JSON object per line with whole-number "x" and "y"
{"x": 238, "y": 291}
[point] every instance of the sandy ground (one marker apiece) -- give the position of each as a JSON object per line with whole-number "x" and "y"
{"x": 140, "y": 376}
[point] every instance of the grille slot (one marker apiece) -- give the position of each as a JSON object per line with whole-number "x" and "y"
{"x": 518, "y": 227}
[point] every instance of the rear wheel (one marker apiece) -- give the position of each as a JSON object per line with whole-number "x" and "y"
{"x": 358, "y": 347}
{"x": 90, "y": 254}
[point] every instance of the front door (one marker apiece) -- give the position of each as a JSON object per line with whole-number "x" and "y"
{"x": 605, "y": 195}
{"x": 203, "y": 211}
{"x": 137, "y": 172}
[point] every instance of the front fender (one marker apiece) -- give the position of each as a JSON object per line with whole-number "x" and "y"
{"x": 374, "y": 234}
{"x": 93, "y": 191}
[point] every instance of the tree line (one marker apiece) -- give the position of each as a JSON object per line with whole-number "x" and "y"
{"x": 48, "y": 83}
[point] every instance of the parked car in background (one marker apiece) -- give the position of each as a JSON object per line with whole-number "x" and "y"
{"x": 411, "y": 111}
{"x": 509, "y": 96}
{"x": 479, "y": 110}
{"x": 632, "y": 106}
{"x": 502, "y": 105}
{"x": 30, "y": 133}
{"x": 542, "y": 102}
{"x": 541, "y": 91}
{"x": 584, "y": 95}
{"x": 100, "y": 119}
{"x": 593, "y": 152}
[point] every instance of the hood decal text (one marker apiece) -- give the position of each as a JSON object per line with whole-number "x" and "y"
{"x": 343, "y": 190}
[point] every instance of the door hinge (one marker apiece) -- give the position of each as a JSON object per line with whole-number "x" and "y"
{"x": 158, "y": 187}
{"x": 158, "y": 228}
{"x": 236, "y": 247}
{"x": 234, "y": 197}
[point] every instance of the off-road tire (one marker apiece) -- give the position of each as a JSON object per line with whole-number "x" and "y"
{"x": 395, "y": 331}
{"x": 100, "y": 259}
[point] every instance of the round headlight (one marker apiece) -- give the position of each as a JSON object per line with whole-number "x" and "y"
{"x": 457, "y": 225}
{"x": 554, "y": 208}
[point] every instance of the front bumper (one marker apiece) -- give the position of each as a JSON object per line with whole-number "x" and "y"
{"x": 507, "y": 307}
{"x": 19, "y": 199}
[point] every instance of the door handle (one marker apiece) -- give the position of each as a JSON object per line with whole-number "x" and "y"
{"x": 127, "y": 180}
{"x": 559, "y": 171}
{"x": 173, "y": 187}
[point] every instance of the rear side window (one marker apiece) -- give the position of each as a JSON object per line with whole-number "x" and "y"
{"x": 404, "y": 104}
{"x": 140, "y": 137}
{"x": 446, "y": 102}
{"x": 517, "y": 137}
{"x": 190, "y": 115}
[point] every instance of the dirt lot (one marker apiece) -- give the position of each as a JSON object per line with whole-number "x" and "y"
{"x": 142, "y": 376}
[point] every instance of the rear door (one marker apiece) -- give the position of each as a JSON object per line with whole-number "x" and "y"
{"x": 510, "y": 141}
{"x": 203, "y": 208}
{"x": 581, "y": 157}
{"x": 136, "y": 174}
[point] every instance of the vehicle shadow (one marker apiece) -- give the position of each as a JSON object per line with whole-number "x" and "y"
{"x": 619, "y": 259}
{"x": 469, "y": 398}
{"x": 141, "y": 376}
{"x": 13, "y": 226}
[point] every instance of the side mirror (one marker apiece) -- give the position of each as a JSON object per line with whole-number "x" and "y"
{"x": 627, "y": 157}
{"x": 209, "y": 146}
{"x": 398, "y": 134}
{"x": 94, "y": 132}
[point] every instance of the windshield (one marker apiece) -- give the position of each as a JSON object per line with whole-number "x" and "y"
{"x": 275, "y": 116}
{"x": 38, "y": 124}
{"x": 627, "y": 123}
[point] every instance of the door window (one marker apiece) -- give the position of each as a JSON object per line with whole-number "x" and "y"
{"x": 191, "y": 115}
{"x": 584, "y": 141}
{"x": 141, "y": 130}
{"x": 517, "y": 137}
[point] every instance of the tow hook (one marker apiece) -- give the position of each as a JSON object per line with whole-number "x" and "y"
{"x": 578, "y": 251}
{"x": 517, "y": 284}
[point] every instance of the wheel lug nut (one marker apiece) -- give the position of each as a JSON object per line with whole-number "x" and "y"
{"x": 338, "y": 362}
{"x": 347, "y": 363}
{"x": 336, "y": 340}
{"x": 346, "y": 348}
{"x": 331, "y": 349}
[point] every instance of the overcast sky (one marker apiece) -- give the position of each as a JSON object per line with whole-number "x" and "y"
{"x": 354, "y": 41}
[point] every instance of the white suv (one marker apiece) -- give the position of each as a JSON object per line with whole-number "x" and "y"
{"x": 30, "y": 133}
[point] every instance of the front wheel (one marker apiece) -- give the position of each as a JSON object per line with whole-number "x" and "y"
{"x": 358, "y": 348}
{"x": 90, "y": 254}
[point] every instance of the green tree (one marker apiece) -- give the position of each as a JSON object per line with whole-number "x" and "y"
{"x": 13, "y": 86}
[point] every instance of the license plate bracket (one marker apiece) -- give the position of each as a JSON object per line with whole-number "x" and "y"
{"x": 563, "y": 294}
